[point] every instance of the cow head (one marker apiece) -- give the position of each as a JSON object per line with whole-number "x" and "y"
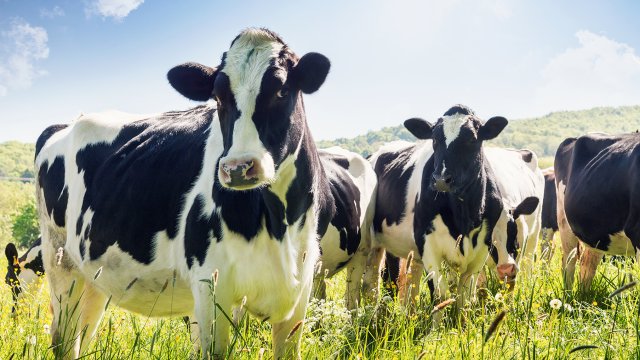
{"x": 457, "y": 143}
{"x": 13, "y": 270}
{"x": 258, "y": 90}
{"x": 515, "y": 236}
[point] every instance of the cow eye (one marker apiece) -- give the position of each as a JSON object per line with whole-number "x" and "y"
{"x": 282, "y": 93}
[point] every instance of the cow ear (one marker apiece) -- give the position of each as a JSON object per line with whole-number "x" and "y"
{"x": 492, "y": 128}
{"x": 419, "y": 128}
{"x": 526, "y": 207}
{"x": 310, "y": 72}
{"x": 11, "y": 252}
{"x": 194, "y": 81}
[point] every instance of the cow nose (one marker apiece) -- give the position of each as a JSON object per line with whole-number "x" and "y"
{"x": 239, "y": 172}
{"x": 442, "y": 183}
{"x": 507, "y": 272}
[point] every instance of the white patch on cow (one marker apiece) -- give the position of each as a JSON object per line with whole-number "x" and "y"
{"x": 620, "y": 245}
{"x": 439, "y": 246}
{"x": 246, "y": 63}
{"x": 451, "y": 126}
{"x": 332, "y": 254}
{"x": 444, "y": 168}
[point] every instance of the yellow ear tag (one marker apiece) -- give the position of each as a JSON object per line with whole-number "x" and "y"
{"x": 15, "y": 261}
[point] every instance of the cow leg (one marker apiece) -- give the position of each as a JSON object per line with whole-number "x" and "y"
{"x": 409, "y": 278}
{"x": 66, "y": 291}
{"x": 569, "y": 247}
{"x": 547, "y": 243}
{"x": 287, "y": 335}
{"x": 371, "y": 279}
{"x": 589, "y": 261}
{"x": 529, "y": 249}
{"x": 355, "y": 271}
{"x": 92, "y": 307}
{"x": 213, "y": 308}
{"x": 319, "y": 285}
{"x": 467, "y": 289}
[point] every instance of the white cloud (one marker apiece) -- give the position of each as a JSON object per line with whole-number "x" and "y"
{"x": 22, "y": 47}
{"x": 55, "y": 12}
{"x": 600, "y": 71}
{"x": 117, "y": 9}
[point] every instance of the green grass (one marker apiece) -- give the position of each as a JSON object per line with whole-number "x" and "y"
{"x": 531, "y": 329}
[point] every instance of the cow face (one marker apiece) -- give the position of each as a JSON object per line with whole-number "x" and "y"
{"x": 457, "y": 144}
{"x": 514, "y": 238}
{"x": 258, "y": 90}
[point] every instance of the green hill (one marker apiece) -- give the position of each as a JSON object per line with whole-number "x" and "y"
{"x": 542, "y": 134}
{"x": 16, "y": 159}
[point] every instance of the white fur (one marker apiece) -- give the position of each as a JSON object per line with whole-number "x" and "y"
{"x": 451, "y": 126}
{"x": 246, "y": 62}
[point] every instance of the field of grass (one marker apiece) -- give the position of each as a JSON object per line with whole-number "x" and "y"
{"x": 593, "y": 327}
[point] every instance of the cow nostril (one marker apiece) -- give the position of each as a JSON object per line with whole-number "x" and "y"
{"x": 448, "y": 179}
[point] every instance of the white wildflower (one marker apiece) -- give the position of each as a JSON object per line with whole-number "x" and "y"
{"x": 45, "y": 328}
{"x": 555, "y": 304}
{"x": 568, "y": 307}
{"x": 498, "y": 296}
{"x": 31, "y": 339}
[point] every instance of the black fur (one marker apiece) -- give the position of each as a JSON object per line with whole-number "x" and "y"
{"x": 56, "y": 196}
{"x": 549, "y": 203}
{"x": 601, "y": 174}
{"x": 46, "y": 134}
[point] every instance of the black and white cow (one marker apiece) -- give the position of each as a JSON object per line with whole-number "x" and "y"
{"x": 347, "y": 241}
{"x": 141, "y": 210}
{"x": 449, "y": 198}
{"x": 23, "y": 271}
{"x": 597, "y": 178}
{"x": 549, "y": 213}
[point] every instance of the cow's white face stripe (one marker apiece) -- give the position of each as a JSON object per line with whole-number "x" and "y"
{"x": 245, "y": 65}
{"x": 451, "y": 127}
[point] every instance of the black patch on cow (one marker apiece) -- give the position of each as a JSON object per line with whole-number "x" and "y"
{"x": 549, "y": 203}
{"x": 346, "y": 196}
{"x": 51, "y": 179}
{"x": 46, "y": 134}
{"x": 274, "y": 215}
{"x": 459, "y": 109}
{"x": 512, "y": 237}
{"x": 199, "y": 229}
{"x": 299, "y": 195}
{"x": 136, "y": 184}
{"x": 393, "y": 181}
{"x": 527, "y": 155}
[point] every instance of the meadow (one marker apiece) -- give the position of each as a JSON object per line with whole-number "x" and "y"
{"x": 540, "y": 321}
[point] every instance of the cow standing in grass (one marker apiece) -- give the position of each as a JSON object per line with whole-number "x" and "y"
{"x": 190, "y": 212}
{"x": 449, "y": 198}
{"x": 597, "y": 177}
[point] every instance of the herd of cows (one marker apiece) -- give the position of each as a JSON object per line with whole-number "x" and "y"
{"x": 137, "y": 211}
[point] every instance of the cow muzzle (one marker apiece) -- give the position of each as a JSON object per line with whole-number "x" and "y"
{"x": 507, "y": 272}
{"x": 441, "y": 183}
{"x": 239, "y": 174}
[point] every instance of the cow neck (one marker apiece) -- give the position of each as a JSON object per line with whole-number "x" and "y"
{"x": 470, "y": 206}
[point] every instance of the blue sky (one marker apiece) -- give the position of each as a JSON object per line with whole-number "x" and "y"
{"x": 391, "y": 60}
